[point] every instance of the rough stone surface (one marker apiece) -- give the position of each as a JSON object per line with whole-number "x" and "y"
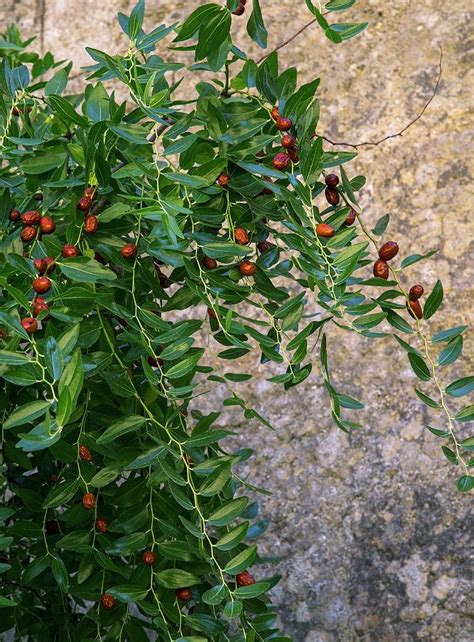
{"x": 373, "y": 536}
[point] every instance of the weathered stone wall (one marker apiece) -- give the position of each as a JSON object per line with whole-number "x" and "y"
{"x": 373, "y": 536}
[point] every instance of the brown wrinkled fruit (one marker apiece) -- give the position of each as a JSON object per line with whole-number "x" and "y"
{"x": 332, "y": 180}
{"x": 88, "y": 501}
{"x": 47, "y": 225}
{"x": 32, "y": 217}
{"x": 416, "y": 292}
{"x": 91, "y": 224}
{"x": 209, "y": 264}
{"x": 275, "y": 113}
{"x": 264, "y": 246}
{"x": 324, "y": 230}
{"x": 28, "y": 234}
{"x": 332, "y": 196}
{"x": 41, "y": 284}
{"x": 183, "y": 594}
{"x": 84, "y": 204}
{"x": 381, "y": 270}
{"x": 50, "y": 264}
{"x": 85, "y": 453}
{"x": 247, "y": 268}
{"x": 284, "y": 124}
{"x": 351, "y": 217}
{"x": 281, "y": 161}
{"x": 69, "y": 251}
{"x": 129, "y": 251}
{"x": 223, "y": 180}
{"x": 101, "y": 524}
{"x": 388, "y": 250}
{"x": 244, "y": 579}
{"x": 241, "y": 236}
{"x": 29, "y": 324}
{"x": 40, "y": 265}
{"x": 415, "y": 309}
{"x": 149, "y": 558}
{"x": 39, "y": 305}
{"x": 288, "y": 141}
{"x": 14, "y": 215}
{"x": 108, "y": 601}
{"x": 293, "y": 154}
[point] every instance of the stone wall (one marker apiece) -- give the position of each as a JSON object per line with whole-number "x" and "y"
{"x": 372, "y": 533}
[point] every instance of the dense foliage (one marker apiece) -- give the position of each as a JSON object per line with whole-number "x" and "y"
{"x": 147, "y": 244}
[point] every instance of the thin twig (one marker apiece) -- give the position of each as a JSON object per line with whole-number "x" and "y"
{"x": 407, "y": 126}
{"x": 287, "y": 42}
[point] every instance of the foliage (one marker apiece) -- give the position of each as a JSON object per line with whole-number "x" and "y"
{"x": 124, "y": 512}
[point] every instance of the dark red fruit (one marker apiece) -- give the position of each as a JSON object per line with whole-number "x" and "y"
{"x": 50, "y": 264}
{"x": 164, "y": 281}
{"x": 284, "y": 124}
{"x": 332, "y": 196}
{"x": 28, "y": 234}
{"x": 247, "y": 268}
{"x": 241, "y": 236}
{"x": 324, "y": 230}
{"x": 129, "y": 251}
{"x": 85, "y": 453}
{"x": 244, "y": 579}
{"x": 388, "y": 250}
{"x": 149, "y": 558}
{"x": 88, "y": 501}
{"x": 381, "y": 270}
{"x": 84, "y": 204}
{"x": 264, "y": 246}
{"x": 39, "y": 305}
{"x": 29, "y": 324}
{"x": 351, "y": 217}
{"x": 47, "y": 225}
{"x": 223, "y": 180}
{"x": 293, "y": 154}
{"x": 101, "y": 524}
{"x": 209, "y": 264}
{"x": 69, "y": 251}
{"x": 415, "y": 309}
{"x": 108, "y": 601}
{"x": 281, "y": 161}
{"x": 90, "y": 192}
{"x": 154, "y": 363}
{"x": 52, "y": 527}
{"x": 14, "y": 215}
{"x": 288, "y": 141}
{"x": 211, "y": 313}
{"x": 332, "y": 180}
{"x": 32, "y": 217}
{"x": 240, "y": 10}
{"x": 41, "y": 284}
{"x": 183, "y": 594}
{"x": 416, "y": 292}
{"x": 40, "y": 265}
{"x": 275, "y": 114}
{"x": 101, "y": 259}
{"x": 91, "y": 224}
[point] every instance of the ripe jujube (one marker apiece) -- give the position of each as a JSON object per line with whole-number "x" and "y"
{"x": 183, "y": 594}
{"x": 332, "y": 180}
{"x": 69, "y": 251}
{"x": 247, "y": 268}
{"x": 39, "y": 305}
{"x": 88, "y": 501}
{"x": 223, "y": 180}
{"x": 350, "y": 219}
{"x": 85, "y": 453}
{"x": 388, "y": 250}
{"x": 149, "y": 558}
{"x": 28, "y": 234}
{"x": 241, "y": 236}
{"x": 108, "y": 601}
{"x": 264, "y": 246}
{"x": 244, "y": 579}
{"x": 41, "y": 284}
{"x": 14, "y": 215}
{"x": 84, "y": 204}
{"x": 381, "y": 270}
{"x": 324, "y": 230}
{"x": 47, "y": 225}
{"x": 293, "y": 154}
{"x": 284, "y": 124}
{"x": 91, "y": 224}
{"x": 281, "y": 161}
{"x": 32, "y": 217}
{"x": 275, "y": 113}
{"x": 50, "y": 264}
{"x": 332, "y": 196}
{"x": 209, "y": 264}
{"x": 288, "y": 141}
{"x": 416, "y": 292}
{"x": 415, "y": 309}
{"x": 40, "y": 265}
{"x": 101, "y": 525}
{"x": 29, "y": 324}
{"x": 129, "y": 251}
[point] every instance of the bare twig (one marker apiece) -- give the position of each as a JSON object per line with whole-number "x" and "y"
{"x": 287, "y": 42}
{"x": 407, "y": 126}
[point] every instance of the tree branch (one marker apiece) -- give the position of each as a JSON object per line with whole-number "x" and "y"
{"x": 287, "y": 42}
{"x": 408, "y": 125}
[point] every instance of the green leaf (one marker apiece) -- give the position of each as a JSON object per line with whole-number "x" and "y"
{"x": 212, "y": 33}
{"x": 256, "y": 27}
{"x": 414, "y": 258}
{"x": 419, "y": 366}
{"x": 228, "y": 512}
{"x": 468, "y": 444}
{"x": 66, "y": 111}
{"x": 60, "y": 574}
{"x": 194, "y": 21}
{"x": 215, "y": 595}
{"x": 6, "y": 602}
{"x": 121, "y": 427}
{"x": 136, "y": 19}
{"x": 241, "y": 561}
{"x": 465, "y": 415}
{"x": 313, "y": 162}
{"x": 427, "y": 400}
{"x": 446, "y": 335}
{"x": 461, "y": 387}
{"x": 451, "y": 352}
{"x": 381, "y": 225}
{"x": 61, "y": 494}
{"x": 339, "y": 5}
{"x": 128, "y": 593}
{"x": 249, "y": 592}
{"x": 53, "y": 358}
{"x": 176, "y": 578}
{"x": 26, "y": 413}
{"x": 465, "y": 483}
{"x": 349, "y": 30}
{"x": 85, "y": 270}
{"x": 233, "y": 537}
{"x": 433, "y": 301}
{"x": 9, "y": 358}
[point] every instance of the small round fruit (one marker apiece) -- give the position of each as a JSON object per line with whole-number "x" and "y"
{"x": 69, "y": 251}
{"x": 85, "y": 453}
{"x": 247, "y": 268}
{"x": 40, "y": 265}
{"x": 388, "y": 250}
{"x": 241, "y": 236}
{"x": 288, "y": 141}
{"x": 264, "y": 246}
{"x": 350, "y": 219}
{"x": 129, "y": 251}
{"x": 332, "y": 180}
{"x": 39, "y": 305}
{"x": 52, "y": 527}
{"x": 281, "y": 161}
{"x": 28, "y": 233}
{"x": 149, "y": 558}
{"x": 275, "y": 113}
{"x": 183, "y": 594}
{"x": 223, "y": 180}
{"x": 108, "y": 601}
{"x": 91, "y": 224}
{"x": 84, "y": 204}
{"x": 32, "y": 217}
{"x": 50, "y": 264}
{"x": 415, "y": 309}
{"x": 284, "y": 124}
{"x": 88, "y": 501}
{"x": 99, "y": 258}
{"x": 211, "y": 313}
{"x": 416, "y": 292}
{"x": 101, "y": 525}
{"x": 14, "y": 215}
{"x": 41, "y": 284}
{"x": 244, "y": 579}
{"x": 29, "y": 324}
{"x": 209, "y": 264}
{"x": 293, "y": 154}
{"x": 90, "y": 191}
{"x": 240, "y": 10}
{"x": 324, "y": 230}
{"x": 332, "y": 196}
{"x": 47, "y": 225}
{"x": 381, "y": 270}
